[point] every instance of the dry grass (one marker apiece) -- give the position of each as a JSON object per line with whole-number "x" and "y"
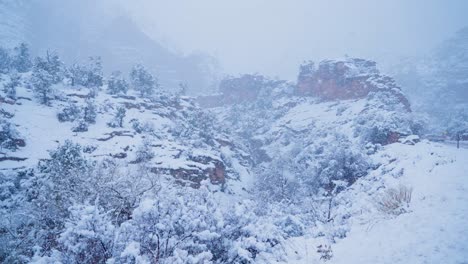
{"x": 396, "y": 201}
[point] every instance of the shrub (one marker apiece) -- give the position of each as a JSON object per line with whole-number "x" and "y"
{"x": 117, "y": 121}
{"x": 144, "y": 153}
{"x": 325, "y": 252}
{"x": 81, "y": 126}
{"x": 9, "y": 136}
{"x": 117, "y": 84}
{"x": 395, "y": 201}
{"x": 142, "y": 81}
{"x": 89, "y": 75}
{"x": 69, "y": 114}
{"x": 10, "y": 87}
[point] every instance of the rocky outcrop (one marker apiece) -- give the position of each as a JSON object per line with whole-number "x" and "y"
{"x": 234, "y": 90}
{"x": 345, "y": 79}
{"x": 202, "y": 168}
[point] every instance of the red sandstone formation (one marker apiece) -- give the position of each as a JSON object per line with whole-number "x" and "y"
{"x": 345, "y": 79}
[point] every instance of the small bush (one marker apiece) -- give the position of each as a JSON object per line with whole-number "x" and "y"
{"x": 395, "y": 201}
{"x": 325, "y": 252}
{"x": 69, "y": 114}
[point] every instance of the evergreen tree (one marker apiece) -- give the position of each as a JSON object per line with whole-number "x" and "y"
{"x": 89, "y": 112}
{"x": 52, "y": 65}
{"x": 143, "y": 81}
{"x": 8, "y": 136}
{"x": 41, "y": 82}
{"x": 95, "y": 72}
{"x": 117, "y": 84}
{"x": 77, "y": 74}
{"x": 5, "y": 61}
{"x": 10, "y": 87}
{"x": 21, "y": 60}
{"x": 90, "y": 75}
{"x": 118, "y": 118}
{"x": 70, "y": 113}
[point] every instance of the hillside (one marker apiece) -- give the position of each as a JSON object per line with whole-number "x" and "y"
{"x": 114, "y": 169}
{"x": 107, "y": 31}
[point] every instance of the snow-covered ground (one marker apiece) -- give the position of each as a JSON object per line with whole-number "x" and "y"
{"x": 434, "y": 231}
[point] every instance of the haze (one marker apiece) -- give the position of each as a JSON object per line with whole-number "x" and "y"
{"x": 273, "y": 37}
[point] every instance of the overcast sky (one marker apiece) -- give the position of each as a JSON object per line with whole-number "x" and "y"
{"x": 274, "y": 36}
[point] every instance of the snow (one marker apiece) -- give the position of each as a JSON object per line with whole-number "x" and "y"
{"x": 435, "y": 230}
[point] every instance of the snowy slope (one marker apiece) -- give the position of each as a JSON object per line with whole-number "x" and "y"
{"x": 165, "y": 118}
{"x": 14, "y": 25}
{"x": 296, "y": 172}
{"x": 434, "y": 231}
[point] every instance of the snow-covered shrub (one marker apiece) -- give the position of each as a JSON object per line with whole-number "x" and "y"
{"x": 117, "y": 121}
{"x": 339, "y": 160}
{"x": 384, "y": 119}
{"x": 458, "y": 122}
{"x": 90, "y": 75}
{"x": 117, "y": 84}
{"x": 87, "y": 237}
{"x": 198, "y": 124}
{"x": 139, "y": 127}
{"x": 84, "y": 115}
{"x": 58, "y": 183}
{"x": 325, "y": 252}
{"x": 290, "y": 225}
{"x": 166, "y": 229}
{"x": 69, "y": 113}
{"x": 21, "y": 58}
{"x": 81, "y": 126}
{"x": 194, "y": 228}
{"x": 9, "y": 136}
{"x": 395, "y": 201}
{"x": 89, "y": 112}
{"x": 142, "y": 81}
{"x": 4, "y": 60}
{"x": 10, "y": 87}
{"x": 52, "y": 65}
{"x": 144, "y": 152}
{"x": 66, "y": 167}
{"x": 41, "y": 82}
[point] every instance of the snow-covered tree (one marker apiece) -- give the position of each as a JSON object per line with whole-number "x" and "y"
{"x": 69, "y": 113}
{"x": 117, "y": 84}
{"x": 21, "y": 58}
{"x": 10, "y": 87}
{"x": 9, "y": 136}
{"x": 89, "y": 75}
{"x": 41, "y": 82}
{"x": 117, "y": 121}
{"x": 5, "y": 61}
{"x": 89, "y": 112}
{"x": 142, "y": 81}
{"x": 52, "y": 65}
{"x": 87, "y": 237}
{"x": 144, "y": 152}
{"x": 81, "y": 126}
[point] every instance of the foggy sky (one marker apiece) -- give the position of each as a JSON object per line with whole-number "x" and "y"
{"x": 274, "y": 36}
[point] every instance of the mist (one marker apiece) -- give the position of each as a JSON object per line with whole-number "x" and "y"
{"x": 273, "y": 37}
